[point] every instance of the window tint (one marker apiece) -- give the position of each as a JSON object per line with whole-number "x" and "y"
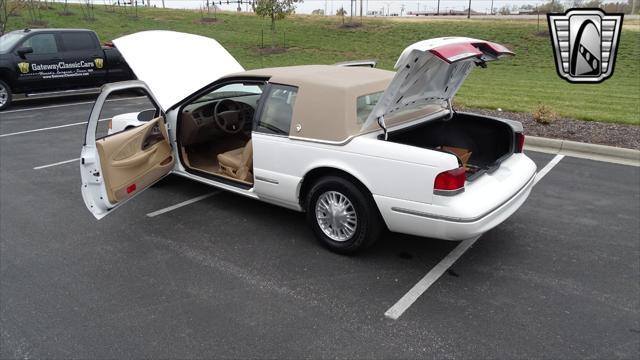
{"x": 78, "y": 41}
{"x": 365, "y": 105}
{"x": 278, "y": 110}
{"x": 42, "y": 44}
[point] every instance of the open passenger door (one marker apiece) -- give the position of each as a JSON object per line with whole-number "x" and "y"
{"x": 116, "y": 167}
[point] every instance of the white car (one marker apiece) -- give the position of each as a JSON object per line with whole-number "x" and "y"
{"x": 358, "y": 149}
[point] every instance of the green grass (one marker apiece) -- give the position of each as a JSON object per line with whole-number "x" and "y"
{"x": 520, "y": 83}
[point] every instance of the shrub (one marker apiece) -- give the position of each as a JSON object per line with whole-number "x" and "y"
{"x": 543, "y": 114}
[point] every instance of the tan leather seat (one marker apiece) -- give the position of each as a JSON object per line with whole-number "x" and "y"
{"x": 238, "y": 163}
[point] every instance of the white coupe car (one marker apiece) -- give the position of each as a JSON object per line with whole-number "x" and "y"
{"x": 358, "y": 149}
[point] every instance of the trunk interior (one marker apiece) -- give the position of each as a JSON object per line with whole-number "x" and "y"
{"x": 488, "y": 141}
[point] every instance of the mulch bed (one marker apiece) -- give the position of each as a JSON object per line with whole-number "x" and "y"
{"x": 620, "y": 135}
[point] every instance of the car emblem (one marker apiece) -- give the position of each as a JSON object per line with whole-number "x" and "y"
{"x": 585, "y": 42}
{"x": 99, "y": 63}
{"x": 23, "y": 67}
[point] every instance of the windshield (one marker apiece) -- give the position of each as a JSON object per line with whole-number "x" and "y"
{"x": 7, "y": 41}
{"x": 232, "y": 90}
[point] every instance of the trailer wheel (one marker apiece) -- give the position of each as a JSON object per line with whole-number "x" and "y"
{"x": 5, "y": 95}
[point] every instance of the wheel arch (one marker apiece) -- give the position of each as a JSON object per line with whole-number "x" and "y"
{"x": 5, "y": 75}
{"x": 322, "y": 171}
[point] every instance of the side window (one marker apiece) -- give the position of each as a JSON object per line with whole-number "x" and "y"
{"x": 278, "y": 110}
{"x": 42, "y": 44}
{"x": 125, "y": 110}
{"x": 78, "y": 41}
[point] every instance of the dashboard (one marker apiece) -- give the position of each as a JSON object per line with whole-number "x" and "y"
{"x": 198, "y": 123}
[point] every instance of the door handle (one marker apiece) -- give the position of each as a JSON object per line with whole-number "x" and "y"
{"x": 135, "y": 160}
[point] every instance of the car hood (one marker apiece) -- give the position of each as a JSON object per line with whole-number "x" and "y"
{"x": 175, "y": 65}
{"x": 431, "y": 71}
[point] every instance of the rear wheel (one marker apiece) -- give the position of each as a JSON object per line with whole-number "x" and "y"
{"x": 343, "y": 217}
{"x": 5, "y": 95}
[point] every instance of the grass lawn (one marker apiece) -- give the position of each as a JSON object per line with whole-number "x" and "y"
{"x": 517, "y": 84}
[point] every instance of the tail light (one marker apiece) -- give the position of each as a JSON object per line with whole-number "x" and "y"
{"x": 450, "y": 182}
{"x": 519, "y": 142}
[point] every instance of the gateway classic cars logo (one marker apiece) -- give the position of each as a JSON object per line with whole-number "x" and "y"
{"x": 23, "y": 67}
{"x": 585, "y": 42}
{"x": 99, "y": 63}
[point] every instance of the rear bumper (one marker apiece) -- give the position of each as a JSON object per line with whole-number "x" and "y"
{"x": 452, "y": 221}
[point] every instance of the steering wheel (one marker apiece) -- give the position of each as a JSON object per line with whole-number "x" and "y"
{"x": 229, "y": 116}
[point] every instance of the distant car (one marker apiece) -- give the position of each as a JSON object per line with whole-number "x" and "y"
{"x": 54, "y": 62}
{"x": 358, "y": 149}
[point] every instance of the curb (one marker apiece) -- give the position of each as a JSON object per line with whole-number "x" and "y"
{"x": 584, "y": 150}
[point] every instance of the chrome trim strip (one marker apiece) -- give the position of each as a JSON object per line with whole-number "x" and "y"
{"x": 267, "y": 180}
{"x": 464, "y": 220}
{"x": 448, "y": 192}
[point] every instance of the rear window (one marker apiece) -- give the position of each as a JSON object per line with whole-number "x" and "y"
{"x": 365, "y": 105}
{"x": 78, "y": 41}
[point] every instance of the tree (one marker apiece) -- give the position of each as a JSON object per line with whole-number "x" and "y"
{"x": 275, "y": 9}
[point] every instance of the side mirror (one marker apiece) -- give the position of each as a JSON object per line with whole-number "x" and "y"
{"x": 23, "y": 50}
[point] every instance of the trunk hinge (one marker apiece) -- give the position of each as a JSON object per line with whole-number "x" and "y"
{"x": 383, "y": 126}
{"x": 450, "y": 109}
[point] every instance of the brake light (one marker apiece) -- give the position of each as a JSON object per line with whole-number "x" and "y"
{"x": 131, "y": 188}
{"x": 450, "y": 182}
{"x": 519, "y": 142}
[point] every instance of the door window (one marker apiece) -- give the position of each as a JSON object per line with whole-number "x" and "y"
{"x": 123, "y": 111}
{"x": 42, "y": 44}
{"x": 78, "y": 41}
{"x": 278, "y": 110}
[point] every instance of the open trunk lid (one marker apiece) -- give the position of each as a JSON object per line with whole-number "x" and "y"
{"x": 431, "y": 71}
{"x": 174, "y": 65}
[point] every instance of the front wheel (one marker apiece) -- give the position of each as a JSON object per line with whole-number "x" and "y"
{"x": 5, "y": 95}
{"x": 343, "y": 217}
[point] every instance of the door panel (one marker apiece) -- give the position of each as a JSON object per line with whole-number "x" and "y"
{"x": 134, "y": 159}
{"x": 114, "y": 168}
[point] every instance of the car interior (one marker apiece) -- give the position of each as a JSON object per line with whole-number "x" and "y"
{"x": 214, "y": 131}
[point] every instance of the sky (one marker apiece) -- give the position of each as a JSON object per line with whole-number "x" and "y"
{"x": 331, "y": 6}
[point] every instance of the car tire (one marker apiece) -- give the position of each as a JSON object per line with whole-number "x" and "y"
{"x": 5, "y": 95}
{"x": 342, "y": 215}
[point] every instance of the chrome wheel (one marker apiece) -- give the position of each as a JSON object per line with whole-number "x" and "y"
{"x": 336, "y": 216}
{"x": 4, "y": 95}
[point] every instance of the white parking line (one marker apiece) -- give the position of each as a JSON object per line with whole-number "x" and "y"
{"x": 432, "y": 276}
{"x": 55, "y": 164}
{"x": 64, "y": 105}
{"x": 545, "y": 170}
{"x": 184, "y": 203}
{"x": 47, "y": 128}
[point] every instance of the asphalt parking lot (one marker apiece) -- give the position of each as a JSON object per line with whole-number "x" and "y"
{"x": 231, "y": 277}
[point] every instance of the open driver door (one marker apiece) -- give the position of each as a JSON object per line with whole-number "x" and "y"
{"x": 116, "y": 167}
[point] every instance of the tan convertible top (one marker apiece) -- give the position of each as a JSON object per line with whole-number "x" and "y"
{"x": 325, "y": 108}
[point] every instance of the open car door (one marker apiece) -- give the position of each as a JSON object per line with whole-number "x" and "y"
{"x": 116, "y": 167}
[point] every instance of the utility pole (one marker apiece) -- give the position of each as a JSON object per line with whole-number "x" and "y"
{"x": 633, "y": 6}
{"x": 361, "y": 11}
{"x": 469, "y": 13}
{"x": 438, "y": 11}
{"x": 492, "y": 7}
